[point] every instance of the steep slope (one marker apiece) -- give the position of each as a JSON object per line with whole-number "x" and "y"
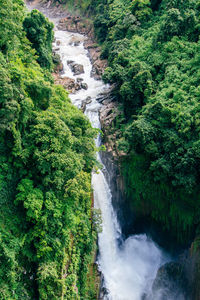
{"x": 46, "y": 154}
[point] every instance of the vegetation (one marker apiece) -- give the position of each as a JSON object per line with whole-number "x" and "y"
{"x": 47, "y": 242}
{"x": 46, "y": 157}
{"x": 153, "y": 52}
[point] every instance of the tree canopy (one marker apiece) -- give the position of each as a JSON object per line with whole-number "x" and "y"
{"x": 47, "y": 152}
{"x": 153, "y": 52}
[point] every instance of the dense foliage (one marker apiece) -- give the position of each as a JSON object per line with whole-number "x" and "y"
{"x": 46, "y": 157}
{"x": 153, "y": 52}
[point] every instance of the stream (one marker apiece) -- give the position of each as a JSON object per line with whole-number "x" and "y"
{"x": 128, "y": 266}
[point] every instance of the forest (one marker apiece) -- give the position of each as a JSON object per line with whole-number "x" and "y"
{"x": 152, "y": 48}
{"x": 47, "y": 241}
{"x": 47, "y": 149}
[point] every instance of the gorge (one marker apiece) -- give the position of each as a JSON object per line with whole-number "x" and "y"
{"x": 80, "y": 220}
{"x": 129, "y": 265}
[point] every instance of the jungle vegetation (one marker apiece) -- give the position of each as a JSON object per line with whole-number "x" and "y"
{"x": 153, "y": 52}
{"x": 47, "y": 149}
{"x": 152, "y": 48}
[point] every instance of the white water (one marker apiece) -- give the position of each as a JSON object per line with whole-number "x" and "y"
{"x": 128, "y": 269}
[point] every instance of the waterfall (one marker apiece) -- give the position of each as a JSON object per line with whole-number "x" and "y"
{"x": 128, "y": 266}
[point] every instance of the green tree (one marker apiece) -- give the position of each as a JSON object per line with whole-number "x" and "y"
{"x": 39, "y": 32}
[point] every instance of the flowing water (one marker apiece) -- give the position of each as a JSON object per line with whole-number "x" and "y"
{"x": 128, "y": 266}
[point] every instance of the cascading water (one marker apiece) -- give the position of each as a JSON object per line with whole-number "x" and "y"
{"x": 128, "y": 267}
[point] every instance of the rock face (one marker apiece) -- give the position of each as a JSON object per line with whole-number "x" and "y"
{"x": 194, "y": 268}
{"x": 98, "y": 65}
{"x": 110, "y": 158}
{"x": 170, "y": 282}
{"x": 108, "y": 114}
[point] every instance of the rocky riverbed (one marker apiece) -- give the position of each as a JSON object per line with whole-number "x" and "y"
{"x": 77, "y": 24}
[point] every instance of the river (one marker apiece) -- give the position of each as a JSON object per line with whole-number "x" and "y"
{"x": 128, "y": 266}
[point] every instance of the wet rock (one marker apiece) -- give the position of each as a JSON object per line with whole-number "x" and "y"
{"x": 68, "y": 83}
{"x": 88, "y": 100}
{"x": 76, "y": 24}
{"x": 79, "y": 79}
{"x": 89, "y": 44}
{"x": 77, "y": 86}
{"x": 94, "y": 75}
{"x": 170, "y": 282}
{"x": 84, "y": 86}
{"x": 194, "y": 267}
{"x": 105, "y": 97}
{"x": 77, "y": 43}
{"x": 58, "y": 43}
{"x": 103, "y": 293}
{"x": 70, "y": 62}
{"x": 77, "y": 69}
{"x": 83, "y": 106}
{"x": 94, "y": 54}
{"x": 98, "y": 68}
{"x": 85, "y": 102}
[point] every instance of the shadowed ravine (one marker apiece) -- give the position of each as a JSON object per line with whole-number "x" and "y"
{"x": 128, "y": 266}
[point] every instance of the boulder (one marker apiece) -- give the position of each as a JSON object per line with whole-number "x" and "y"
{"x": 84, "y": 86}
{"x": 77, "y": 43}
{"x": 68, "y": 83}
{"x": 77, "y": 69}
{"x": 83, "y": 106}
{"x": 88, "y": 100}
{"x": 84, "y": 103}
{"x": 70, "y": 62}
{"x": 79, "y": 79}
{"x": 77, "y": 86}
